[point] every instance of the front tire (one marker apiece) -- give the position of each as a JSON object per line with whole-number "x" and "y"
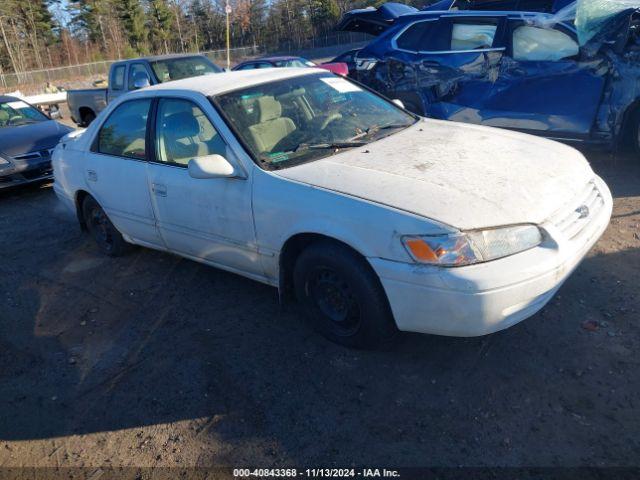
{"x": 105, "y": 234}
{"x": 342, "y": 296}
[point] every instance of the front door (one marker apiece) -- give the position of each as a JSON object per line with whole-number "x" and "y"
{"x": 543, "y": 87}
{"x": 210, "y": 219}
{"x": 116, "y": 172}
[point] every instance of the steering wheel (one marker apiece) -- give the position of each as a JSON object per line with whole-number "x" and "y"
{"x": 332, "y": 117}
{"x": 13, "y": 119}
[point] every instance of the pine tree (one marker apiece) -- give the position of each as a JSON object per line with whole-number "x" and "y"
{"x": 161, "y": 21}
{"x": 133, "y": 20}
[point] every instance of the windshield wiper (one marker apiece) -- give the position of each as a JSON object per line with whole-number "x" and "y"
{"x": 328, "y": 146}
{"x": 377, "y": 128}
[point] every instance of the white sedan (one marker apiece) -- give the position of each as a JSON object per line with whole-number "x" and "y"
{"x": 374, "y": 219}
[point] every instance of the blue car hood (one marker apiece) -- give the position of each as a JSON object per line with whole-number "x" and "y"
{"x": 32, "y": 137}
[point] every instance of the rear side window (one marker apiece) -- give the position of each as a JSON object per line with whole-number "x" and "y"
{"x": 415, "y": 38}
{"x": 117, "y": 78}
{"x": 124, "y": 132}
{"x": 542, "y": 44}
{"x": 466, "y": 36}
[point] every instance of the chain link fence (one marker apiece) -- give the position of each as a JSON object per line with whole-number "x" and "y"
{"x": 83, "y": 75}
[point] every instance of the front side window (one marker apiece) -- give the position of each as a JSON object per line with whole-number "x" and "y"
{"x": 117, "y": 78}
{"x": 13, "y": 114}
{"x": 304, "y": 118}
{"x": 542, "y": 44}
{"x": 183, "y": 67}
{"x": 136, "y": 71}
{"x": 184, "y": 132}
{"x": 124, "y": 132}
{"x": 466, "y": 36}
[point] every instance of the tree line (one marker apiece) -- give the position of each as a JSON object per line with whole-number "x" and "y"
{"x": 39, "y": 34}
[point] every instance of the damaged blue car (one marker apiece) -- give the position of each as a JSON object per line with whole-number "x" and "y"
{"x": 551, "y": 74}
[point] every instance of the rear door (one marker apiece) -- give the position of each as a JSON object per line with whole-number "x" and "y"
{"x": 543, "y": 87}
{"x": 454, "y": 61}
{"x": 116, "y": 171}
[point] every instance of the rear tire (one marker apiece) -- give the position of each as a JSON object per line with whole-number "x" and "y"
{"x": 343, "y": 297}
{"x": 87, "y": 118}
{"x": 105, "y": 234}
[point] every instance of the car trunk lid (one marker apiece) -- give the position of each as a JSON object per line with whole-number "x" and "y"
{"x": 373, "y": 21}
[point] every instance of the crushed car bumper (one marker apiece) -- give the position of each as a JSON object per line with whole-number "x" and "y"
{"x": 485, "y": 298}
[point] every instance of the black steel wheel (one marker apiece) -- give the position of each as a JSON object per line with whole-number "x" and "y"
{"x": 106, "y": 236}
{"x": 342, "y": 296}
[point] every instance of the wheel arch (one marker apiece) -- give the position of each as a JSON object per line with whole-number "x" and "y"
{"x": 79, "y": 200}
{"x": 291, "y": 250}
{"x": 83, "y": 111}
{"x": 630, "y": 114}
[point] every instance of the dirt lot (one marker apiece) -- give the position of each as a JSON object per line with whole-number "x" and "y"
{"x": 152, "y": 360}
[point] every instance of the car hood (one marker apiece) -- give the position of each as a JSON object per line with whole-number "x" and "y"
{"x": 31, "y": 138}
{"x": 465, "y": 176}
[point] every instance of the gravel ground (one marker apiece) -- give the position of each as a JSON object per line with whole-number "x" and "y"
{"x": 153, "y": 360}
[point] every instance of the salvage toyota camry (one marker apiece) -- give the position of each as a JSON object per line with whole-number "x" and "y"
{"x": 375, "y": 219}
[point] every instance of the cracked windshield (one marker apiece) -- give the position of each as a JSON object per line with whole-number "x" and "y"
{"x": 300, "y": 119}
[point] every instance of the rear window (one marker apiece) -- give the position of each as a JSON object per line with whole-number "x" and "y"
{"x": 183, "y": 67}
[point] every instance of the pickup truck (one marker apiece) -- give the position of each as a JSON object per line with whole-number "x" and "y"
{"x": 134, "y": 74}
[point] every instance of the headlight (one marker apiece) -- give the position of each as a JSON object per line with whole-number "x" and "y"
{"x": 4, "y": 161}
{"x": 472, "y": 247}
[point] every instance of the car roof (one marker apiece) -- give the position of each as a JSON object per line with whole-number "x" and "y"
{"x": 476, "y": 13}
{"x": 214, "y": 84}
{"x": 155, "y": 58}
{"x": 8, "y": 98}
{"x": 276, "y": 58}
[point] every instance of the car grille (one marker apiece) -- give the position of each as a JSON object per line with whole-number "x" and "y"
{"x": 571, "y": 221}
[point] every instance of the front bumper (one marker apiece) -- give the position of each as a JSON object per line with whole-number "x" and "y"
{"x": 21, "y": 175}
{"x": 485, "y": 298}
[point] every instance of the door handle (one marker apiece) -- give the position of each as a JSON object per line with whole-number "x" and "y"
{"x": 159, "y": 189}
{"x": 92, "y": 176}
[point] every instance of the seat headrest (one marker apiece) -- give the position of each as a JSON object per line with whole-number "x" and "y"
{"x": 181, "y": 125}
{"x": 269, "y": 108}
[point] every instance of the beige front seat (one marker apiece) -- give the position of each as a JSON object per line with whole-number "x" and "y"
{"x": 272, "y": 127}
{"x": 180, "y": 138}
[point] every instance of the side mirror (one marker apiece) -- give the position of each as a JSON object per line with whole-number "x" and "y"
{"x": 399, "y": 103}
{"x": 210, "y": 166}
{"x": 141, "y": 81}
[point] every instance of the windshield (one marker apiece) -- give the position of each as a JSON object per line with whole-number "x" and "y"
{"x": 17, "y": 113}
{"x": 183, "y": 67}
{"x": 294, "y": 62}
{"x": 304, "y": 118}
